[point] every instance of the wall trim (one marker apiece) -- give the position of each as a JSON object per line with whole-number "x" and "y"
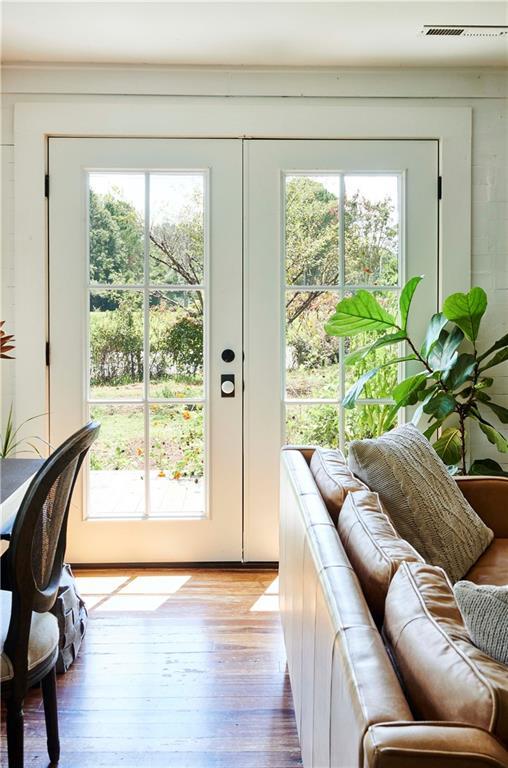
{"x": 415, "y": 82}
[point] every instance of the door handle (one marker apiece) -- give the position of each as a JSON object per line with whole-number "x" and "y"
{"x": 227, "y": 385}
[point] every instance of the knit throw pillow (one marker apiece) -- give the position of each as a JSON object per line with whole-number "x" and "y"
{"x": 484, "y": 609}
{"x": 421, "y": 498}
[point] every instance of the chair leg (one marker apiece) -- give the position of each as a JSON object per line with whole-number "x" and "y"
{"x": 15, "y": 732}
{"x": 48, "y": 684}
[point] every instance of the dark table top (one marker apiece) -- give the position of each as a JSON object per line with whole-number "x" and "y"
{"x": 14, "y": 472}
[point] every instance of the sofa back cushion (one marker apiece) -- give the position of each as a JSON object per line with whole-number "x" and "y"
{"x": 446, "y": 677}
{"x": 333, "y": 478}
{"x": 373, "y": 546}
{"x": 421, "y": 498}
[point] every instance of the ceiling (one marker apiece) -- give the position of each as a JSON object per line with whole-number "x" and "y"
{"x": 325, "y": 34}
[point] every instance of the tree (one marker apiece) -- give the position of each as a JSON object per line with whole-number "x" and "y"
{"x": 116, "y": 245}
{"x": 312, "y": 241}
{"x": 371, "y": 242}
{"x": 177, "y": 251}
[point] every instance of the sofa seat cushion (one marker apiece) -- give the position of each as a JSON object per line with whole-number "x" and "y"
{"x": 484, "y": 609}
{"x": 333, "y": 478}
{"x": 446, "y": 677}
{"x": 492, "y": 566}
{"x": 421, "y": 498}
{"x": 43, "y": 640}
{"x": 373, "y": 546}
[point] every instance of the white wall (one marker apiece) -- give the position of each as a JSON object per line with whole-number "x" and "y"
{"x": 486, "y": 92}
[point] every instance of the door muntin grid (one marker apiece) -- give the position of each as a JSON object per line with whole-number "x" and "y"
{"x": 155, "y": 376}
{"x": 342, "y": 231}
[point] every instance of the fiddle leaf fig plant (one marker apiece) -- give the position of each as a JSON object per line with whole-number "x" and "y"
{"x": 451, "y": 387}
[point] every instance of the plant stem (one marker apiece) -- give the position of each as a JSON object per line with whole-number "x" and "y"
{"x": 462, "y": 429}
{"x": 420, "y": 358}
{"x": 424, "y": 362}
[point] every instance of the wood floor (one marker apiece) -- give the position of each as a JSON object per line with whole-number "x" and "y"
{"x": 178, "y": 669}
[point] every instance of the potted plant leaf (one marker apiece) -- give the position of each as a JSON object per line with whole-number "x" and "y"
{"x": 9, "y": 437}
{"x": 452, "y": 384}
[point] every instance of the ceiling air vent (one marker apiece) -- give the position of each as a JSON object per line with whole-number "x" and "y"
{"x": 457, "y": 30}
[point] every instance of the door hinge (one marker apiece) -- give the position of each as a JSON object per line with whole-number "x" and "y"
{"x": 439, "y": 187}
{"x": 46, "y": 185}
{"x": 47, "y": 353}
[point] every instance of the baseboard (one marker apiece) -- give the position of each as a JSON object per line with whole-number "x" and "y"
{"x": 223, "y": 566}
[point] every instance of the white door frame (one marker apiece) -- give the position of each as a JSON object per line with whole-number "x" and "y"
{"x": 205, "y": 117}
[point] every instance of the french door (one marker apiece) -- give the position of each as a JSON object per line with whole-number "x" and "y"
{"x": 189, "y": 284}
{"x": 323, "y": 219}
{"x": 145, "y": 334}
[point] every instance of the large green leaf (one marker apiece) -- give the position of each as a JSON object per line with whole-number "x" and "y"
{"x": 355, "y": 391}
{"x": 461, "y": 371}
{"x": 359, "y": 313}
{"x": 487, "y": 467}
{"x": 440, "y": 405}
{"x": 433, "y": 428}
{"x": 444, "y": 352}
{"x": 423, "y": 395}
{"x": 494, "y": 437}
{"x": 448, "y": 447}
{"x": 499, "y": 344}
{"x": 404, "y": 392}
{"x": 436, "y": 325}
{"x": 500, "y": 411}
{"x": 383, "y": 341}
{"x": 491, "y": 433}
{"x": 499, "y": 357}
{"x": 466, "y": 310}
{"x": 406, "y": 297}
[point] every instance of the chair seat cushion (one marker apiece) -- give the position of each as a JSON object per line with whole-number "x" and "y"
{"x": 43, "y": 637}
{"x": 492, "y": 566}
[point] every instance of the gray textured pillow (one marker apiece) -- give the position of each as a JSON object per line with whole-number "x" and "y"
{"x": 484, "y": 609}
{"x": 421, "y": 498}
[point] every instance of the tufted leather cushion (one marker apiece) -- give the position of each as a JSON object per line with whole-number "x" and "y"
{"x": 445, "y": 675}
{"x": 333, "y": 478}
{"x": 373, "y": 546}
{"x": 421, "y": 498}
{"x": 43, "y": 636}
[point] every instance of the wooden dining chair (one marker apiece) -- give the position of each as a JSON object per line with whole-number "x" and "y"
{"x": 35, "y": 558}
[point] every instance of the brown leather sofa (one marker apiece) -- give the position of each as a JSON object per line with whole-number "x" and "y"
{"x": 382, "y": 670}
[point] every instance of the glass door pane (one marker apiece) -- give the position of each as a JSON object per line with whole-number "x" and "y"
{"x": 341, "y": 234}
{"x": 146, "y": 339}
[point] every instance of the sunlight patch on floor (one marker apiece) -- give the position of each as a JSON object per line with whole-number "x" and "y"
{"x": 100, "y": 585}
{"x": 154, "y": 585}
{"x": 269, "y": 600}
{"x": 126, "y": 603}
{"x": 127, "y": 593}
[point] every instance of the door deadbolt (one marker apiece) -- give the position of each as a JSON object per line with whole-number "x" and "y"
{"x": 228, "y": 355}
{"x": 227, "y": 385}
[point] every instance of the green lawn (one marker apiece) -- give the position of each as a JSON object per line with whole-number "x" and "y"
{"x": 177, "y": 434}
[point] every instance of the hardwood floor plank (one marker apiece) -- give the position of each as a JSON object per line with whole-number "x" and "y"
{"x": 180, "y": 668}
